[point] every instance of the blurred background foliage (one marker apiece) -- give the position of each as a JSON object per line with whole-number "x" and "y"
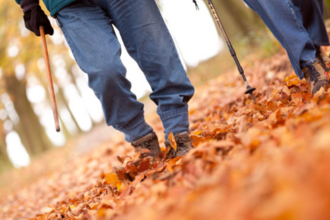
{"x": 24, "y": 103}
{"x": 26, "y": 122}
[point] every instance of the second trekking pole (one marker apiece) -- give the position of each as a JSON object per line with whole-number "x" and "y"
{"x": 49, "y": 79}
{"x": 249, "y": 89}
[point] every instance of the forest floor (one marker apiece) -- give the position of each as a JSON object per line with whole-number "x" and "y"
{"x": 264, "y": 161}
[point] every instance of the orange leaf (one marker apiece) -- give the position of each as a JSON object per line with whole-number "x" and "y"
{"x": 121, "y": 159}
{"x": 293, "y": 82}
{"x": 286, "y": 90}
{"x": 113, "y": 180}
{"x": 275, "y": 93}
{"x": 144, "y": 165}
{"x": 93, "y": 205}
{"x": 131, "y": 169}
{"x": 137, "y": 180}
{"x": 197, "y": 133}
{"x": 173, "y": 163}
{"x": 197, "y": 138}
{"x": 276, "y": 116}
{"x": 172, "y": 140}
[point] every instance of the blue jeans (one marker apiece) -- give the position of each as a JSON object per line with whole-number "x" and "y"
{"x": 87, "y": 27}
{"x": 297, "y": 24}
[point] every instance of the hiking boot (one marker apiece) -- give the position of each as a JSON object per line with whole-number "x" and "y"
{"x": 323, "y": 59}
{"x": 184, "y": 144}
{"x": 316, "y": 77}
{"x": 146, "y": 144}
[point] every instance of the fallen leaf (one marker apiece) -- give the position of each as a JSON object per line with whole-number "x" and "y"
{"x": 46, "y": 210}
{"x": 144, "y": 165}
{"x": 172, "y": 140}
{"x": 93, "y": 206}
{"x": 126, "y": 192}
{"x": 112, "y": 180}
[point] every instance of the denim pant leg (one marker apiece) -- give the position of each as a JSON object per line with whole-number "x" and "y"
{"x": 285, "y": 22}
{"x": 149, "y": 42}
{"x": 312, "y": 18}
{"x": 89, "y": 33}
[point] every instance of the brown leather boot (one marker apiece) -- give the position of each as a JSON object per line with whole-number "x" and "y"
{"x": 323, "y": 59}
{"x": 184, "y": 144}
{"x": 148, "y": 142}
{"x": 316, "y": 77}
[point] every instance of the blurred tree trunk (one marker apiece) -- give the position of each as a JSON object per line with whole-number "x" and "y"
{"x": 29, "y": 128}
{"x": 236, "y": 17}
{"x": 238, "y": 14}
{"x": 231, "y": 28}
{"x": 62, "y": 101}
{"x": 74, "y": 82}
{"x": 327, "y": 4}
{"x": 4, "y": 159}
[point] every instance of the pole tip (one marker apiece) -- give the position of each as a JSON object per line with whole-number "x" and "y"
{"x": 250, "y": 90}
{"x": 252, "y": 96}
{"x": 58, "y": 129}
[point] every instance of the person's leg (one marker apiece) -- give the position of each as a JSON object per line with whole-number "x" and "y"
{"x": 89, "y": 33}
{"x": 312, "y": 14}
{"x": 286, "y": 24}
{"x": 149, "y": 42}
{"x": 312, "y": 19}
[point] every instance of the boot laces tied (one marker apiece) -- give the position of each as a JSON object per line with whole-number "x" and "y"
{"x": 313, "y": 73}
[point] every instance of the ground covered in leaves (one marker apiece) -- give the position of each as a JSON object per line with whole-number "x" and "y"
{"x": 264, "y": 161}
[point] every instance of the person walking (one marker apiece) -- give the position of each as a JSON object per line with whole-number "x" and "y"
{"x": 298, "y": 25}
{"x": 88, "y": 28}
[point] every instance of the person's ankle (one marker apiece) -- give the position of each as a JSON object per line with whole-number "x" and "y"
{"x": 316, "y": 76}
{"x": 147, "y": 145}
{"x": 184, "y": 145}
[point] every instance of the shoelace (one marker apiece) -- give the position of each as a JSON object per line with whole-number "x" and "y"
{"x": 313, "y": 73}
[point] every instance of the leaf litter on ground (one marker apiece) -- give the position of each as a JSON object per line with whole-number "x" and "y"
{"x": 263, "y": 161}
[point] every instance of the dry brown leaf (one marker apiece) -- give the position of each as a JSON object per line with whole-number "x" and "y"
{"x": 286, "y": 91}
{"x": 172, "y": 140}
{"x": 93, "y": 206}
{"x": 144, "y": 165}
{"x": 276, "y": 116}
{"x": 126, "y": 192}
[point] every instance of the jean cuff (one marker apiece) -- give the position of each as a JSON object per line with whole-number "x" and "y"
{"x": 308, "y": 63}
{"x": 321, "y": 43}
{"x": 135, "y": 129}
{"x": 175, "y": 120}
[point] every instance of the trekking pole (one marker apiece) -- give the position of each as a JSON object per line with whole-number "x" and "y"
{"x": 50, "y": 80}
{"x": 249, "y": 89}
